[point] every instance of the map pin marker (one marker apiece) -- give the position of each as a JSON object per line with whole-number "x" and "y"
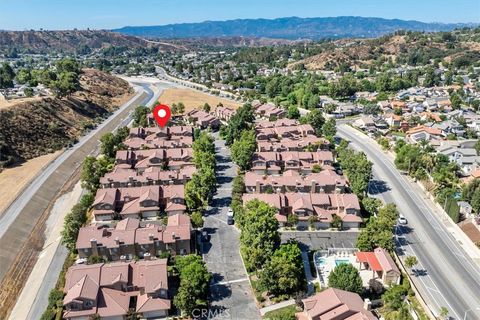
{"x": 161, "y": 113}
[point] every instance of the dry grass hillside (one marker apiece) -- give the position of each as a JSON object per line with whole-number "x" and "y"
{"x": 362, "y": 52}
{"x": 30, "y": 129}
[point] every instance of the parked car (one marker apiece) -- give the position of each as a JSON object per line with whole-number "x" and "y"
{"x": 230, "y": 212}
{"x": 230, "y": 220}
{"x": 205, "y": 236}
{"x": 402, "y": 219}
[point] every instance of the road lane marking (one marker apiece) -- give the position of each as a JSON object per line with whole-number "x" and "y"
{"x": 230, "y": 282}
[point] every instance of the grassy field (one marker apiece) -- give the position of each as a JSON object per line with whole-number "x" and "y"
{"x": 193, "y": 99}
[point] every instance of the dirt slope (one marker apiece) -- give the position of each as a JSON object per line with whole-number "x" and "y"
{"x": 34, "y": 128}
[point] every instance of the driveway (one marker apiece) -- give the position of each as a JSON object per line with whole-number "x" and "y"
{"x": 231, "y": 295}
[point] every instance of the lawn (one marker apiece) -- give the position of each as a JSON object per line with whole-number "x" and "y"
{"x": 285, "y": 313}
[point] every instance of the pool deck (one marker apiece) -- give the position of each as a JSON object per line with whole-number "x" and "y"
{"x": 331, "y": 261}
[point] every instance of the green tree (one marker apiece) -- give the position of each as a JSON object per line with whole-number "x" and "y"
{"x": 241, "y": 120}
{"x": 259, "y": 237}
{"x": 293, "y": 112}
{"x": 92, "y": 170}
{"x": 6, "y": 76}
{"x": 197, "y": 219}
{"x": 283, "y": 273}
{"x": 315, "y": 119}
{"x": 140, "y": 116}
{"x": 346, "y": 277}
{"x": 194, "y": 279}
{"x": 74, "y": 221}
{"x": 329, "y": 129}
{"x": 206, "y": 107}
{"x": 394, "y": 296}
{"x": 243, "y": 149}
{"x": 371, "y": 205}
{"x": 411, "y": 261}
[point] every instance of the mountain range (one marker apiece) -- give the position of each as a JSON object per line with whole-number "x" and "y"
{"x": 289, "y": 28}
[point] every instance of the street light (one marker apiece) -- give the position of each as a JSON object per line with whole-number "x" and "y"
{"x": 465, "y": 316}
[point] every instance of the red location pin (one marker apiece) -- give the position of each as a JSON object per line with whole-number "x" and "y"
{"x": 161, "y": 113}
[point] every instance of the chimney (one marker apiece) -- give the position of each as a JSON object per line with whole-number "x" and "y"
{"x": 117, "y": 240}
{"x": 314, "y": 187}
{"x": 257, "y": 186}
{"x": 367, "y": 304}
{"x": 94, "y": 245}
{"x": 184, "y": 178}
{"x": 147, "y": 256}
{"x": 150, "y": 236}
{"x": 173, "y": 235}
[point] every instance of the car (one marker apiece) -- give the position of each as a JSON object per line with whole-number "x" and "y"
{"x": 230, "y": 220}
{"x": 205, "y": 236}
{"x": 402, "y": 220}
{"x": 230, "y": 212}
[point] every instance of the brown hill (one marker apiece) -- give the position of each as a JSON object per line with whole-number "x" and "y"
{"x": 33, "y": 128}
{"x": 362, "y": 52}
{"x": 70, "y": 41}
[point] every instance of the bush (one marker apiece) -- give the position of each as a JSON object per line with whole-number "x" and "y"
{"x": 197, "y": 219}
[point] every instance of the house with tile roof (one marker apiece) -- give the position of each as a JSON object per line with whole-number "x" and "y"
{"x": 128, "y": 239}
{"x": 381, "y": 264}
{"x": 316, "y": 208}
{"x": 112, "y": 291}
{"x": 335, "y": 304}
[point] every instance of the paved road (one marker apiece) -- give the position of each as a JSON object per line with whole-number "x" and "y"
{"x": 449, "y": 277}
{"x": 231, "y": 295}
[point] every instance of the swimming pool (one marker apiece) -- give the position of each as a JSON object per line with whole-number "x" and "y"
{"x": 341, "y": 261}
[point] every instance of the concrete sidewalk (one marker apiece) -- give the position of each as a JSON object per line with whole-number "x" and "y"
{"x": 277, "y": 306}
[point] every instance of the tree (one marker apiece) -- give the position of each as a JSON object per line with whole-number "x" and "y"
{"x": 315, "y": 119}
{"x": 283, "y": 274}
{"x": 74, "y": 220}
{"x": 108, "y": 144}
{"x": 411, "y": 261}
{"x": 6, "y": 76}
{"x": 371, "y": 205}
{"x": 92, "y": 170}
{"x": 293, "y": 112}
{"x": 346, "y": 277}
{"x": 243, "y": 149}
{"x": 206, "y": 107}
{"x": 241, "y": 120}
{"x": 194, "y": 279}
{"x": 259, "y": 237}
{"x": 394, "y": 296}
{"x": 444, "y": 312}
{"x": 379, "y": 230}
{"x": 140, "y": 116}
{"x": 329, "y": 129}
{"x": 197, "y": 219}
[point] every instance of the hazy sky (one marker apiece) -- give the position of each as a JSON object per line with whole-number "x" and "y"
{"x": 106, "y": 14}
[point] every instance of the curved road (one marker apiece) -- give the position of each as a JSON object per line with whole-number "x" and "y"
{"x": 449, "y": 277}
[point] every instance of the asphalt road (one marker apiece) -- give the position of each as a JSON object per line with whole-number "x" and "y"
{"x": 231, "y": 295}
{"x": 448, "y": 277}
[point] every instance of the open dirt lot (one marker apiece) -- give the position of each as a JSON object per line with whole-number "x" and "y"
{"x": 13, "y": 180}
{"x": 193, "y": 99}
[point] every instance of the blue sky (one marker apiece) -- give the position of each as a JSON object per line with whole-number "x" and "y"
{"x": 106, "y": 14}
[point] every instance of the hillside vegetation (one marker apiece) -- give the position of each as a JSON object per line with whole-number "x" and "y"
{"x": 412, "y": 48}
{"x": 33, "y": 128}
{"x": 69, "y": 41}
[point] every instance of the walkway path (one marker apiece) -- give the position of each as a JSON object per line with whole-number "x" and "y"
{"x": 231, "y": 294}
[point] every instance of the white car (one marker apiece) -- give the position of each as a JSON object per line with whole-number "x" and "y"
{"x": 402, "y": 220}
{"x": 230, "y": 212}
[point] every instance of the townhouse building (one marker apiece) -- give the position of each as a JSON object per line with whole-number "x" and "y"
{"x": 115, "y": 290}
{"x": 129, "y": 239}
